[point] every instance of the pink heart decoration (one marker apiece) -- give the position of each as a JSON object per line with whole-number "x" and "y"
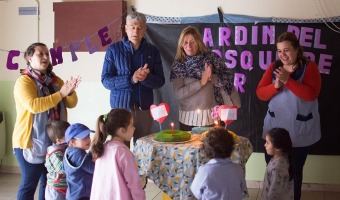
{"x": 214, "y": 114}
{"x": 226, "y": 121}
{"x": 160, "y": 112}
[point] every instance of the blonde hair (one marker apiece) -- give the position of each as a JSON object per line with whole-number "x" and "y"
{"x": 180, "y": 53}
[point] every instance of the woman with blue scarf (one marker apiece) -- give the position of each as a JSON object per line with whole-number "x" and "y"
{"x": 200, "y": 81}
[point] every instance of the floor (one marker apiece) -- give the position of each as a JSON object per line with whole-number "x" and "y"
{"x": 9, "y": 184}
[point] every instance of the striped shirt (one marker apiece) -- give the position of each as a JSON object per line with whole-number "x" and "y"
{"x": 194, "y": 118}
{"x": 56, "y": 176}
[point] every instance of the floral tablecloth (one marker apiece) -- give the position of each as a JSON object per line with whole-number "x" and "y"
{"x": 172, "y": 167}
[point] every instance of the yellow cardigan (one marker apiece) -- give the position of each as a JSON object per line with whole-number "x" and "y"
{"x": 28, "y": 103}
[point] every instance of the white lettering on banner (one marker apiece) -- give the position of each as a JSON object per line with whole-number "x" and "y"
{"x": 159, "y": 112}
{"x": 229, "y": 114}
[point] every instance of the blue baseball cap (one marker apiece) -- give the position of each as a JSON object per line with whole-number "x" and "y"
{"x": 77, "y": 131}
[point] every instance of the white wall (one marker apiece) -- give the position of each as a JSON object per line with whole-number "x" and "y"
{"x": 17, "y": 32}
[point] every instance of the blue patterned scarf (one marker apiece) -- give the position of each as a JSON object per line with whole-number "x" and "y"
{"x": 193, "y": 67}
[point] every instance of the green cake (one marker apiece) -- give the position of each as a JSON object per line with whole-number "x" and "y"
{"x": 167, "y": 136}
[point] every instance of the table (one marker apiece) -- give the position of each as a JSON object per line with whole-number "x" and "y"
{"x": 172, "y": 167}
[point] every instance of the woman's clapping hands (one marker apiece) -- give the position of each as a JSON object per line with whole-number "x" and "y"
{"x": 206, "y": 74}
{"x": 70, "y": 86}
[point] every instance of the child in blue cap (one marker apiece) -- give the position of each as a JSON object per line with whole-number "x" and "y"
{"x": 78, "y": 164}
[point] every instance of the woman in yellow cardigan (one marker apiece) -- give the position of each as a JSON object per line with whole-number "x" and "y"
{"x": 40, "y": 96}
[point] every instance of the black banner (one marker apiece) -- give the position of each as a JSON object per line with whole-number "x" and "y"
{"x": 248, "y": 49}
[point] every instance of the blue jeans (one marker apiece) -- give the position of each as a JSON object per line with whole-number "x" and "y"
{"x": 30, "y": 176}
{"x": 299, "y": 156}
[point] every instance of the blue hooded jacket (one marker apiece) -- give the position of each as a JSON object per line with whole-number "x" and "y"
{"x": 79, "y": 168}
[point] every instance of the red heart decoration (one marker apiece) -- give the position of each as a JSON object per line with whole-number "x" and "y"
{"x": 226, "y": 121}
{"x": 158, "y": 113}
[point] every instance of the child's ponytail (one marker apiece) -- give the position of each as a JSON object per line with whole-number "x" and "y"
{"x": 99, "y": 138}
{"x": 108, "y": 124}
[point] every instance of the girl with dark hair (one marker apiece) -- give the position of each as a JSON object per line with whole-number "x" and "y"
{"x": 278, "y": 181}
{"x": 116, "y": 174}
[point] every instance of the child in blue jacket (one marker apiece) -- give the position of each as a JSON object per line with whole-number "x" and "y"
{"x": 78, "y": 164}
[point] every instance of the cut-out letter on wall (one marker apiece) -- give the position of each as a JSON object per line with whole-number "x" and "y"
{"x": 56, "y": 55}
{"x": 102, "y": 33}
{"x": 91, "y": 49}
{"x": 11, "y": 55}
{"x": 74, "y": 46}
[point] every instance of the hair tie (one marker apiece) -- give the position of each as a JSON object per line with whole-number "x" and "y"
{"x": 105, "y": 117}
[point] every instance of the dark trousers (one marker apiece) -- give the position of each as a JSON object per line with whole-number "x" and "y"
{"x": 299, "y": 156}
{"x": 184, "y": 127}
{"x": 30, "y": 176}
{"x": 143, "y": 123}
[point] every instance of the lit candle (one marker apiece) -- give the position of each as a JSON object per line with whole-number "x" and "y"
{"x": 216, "y": 123}
{"x": 172, "y": 128}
